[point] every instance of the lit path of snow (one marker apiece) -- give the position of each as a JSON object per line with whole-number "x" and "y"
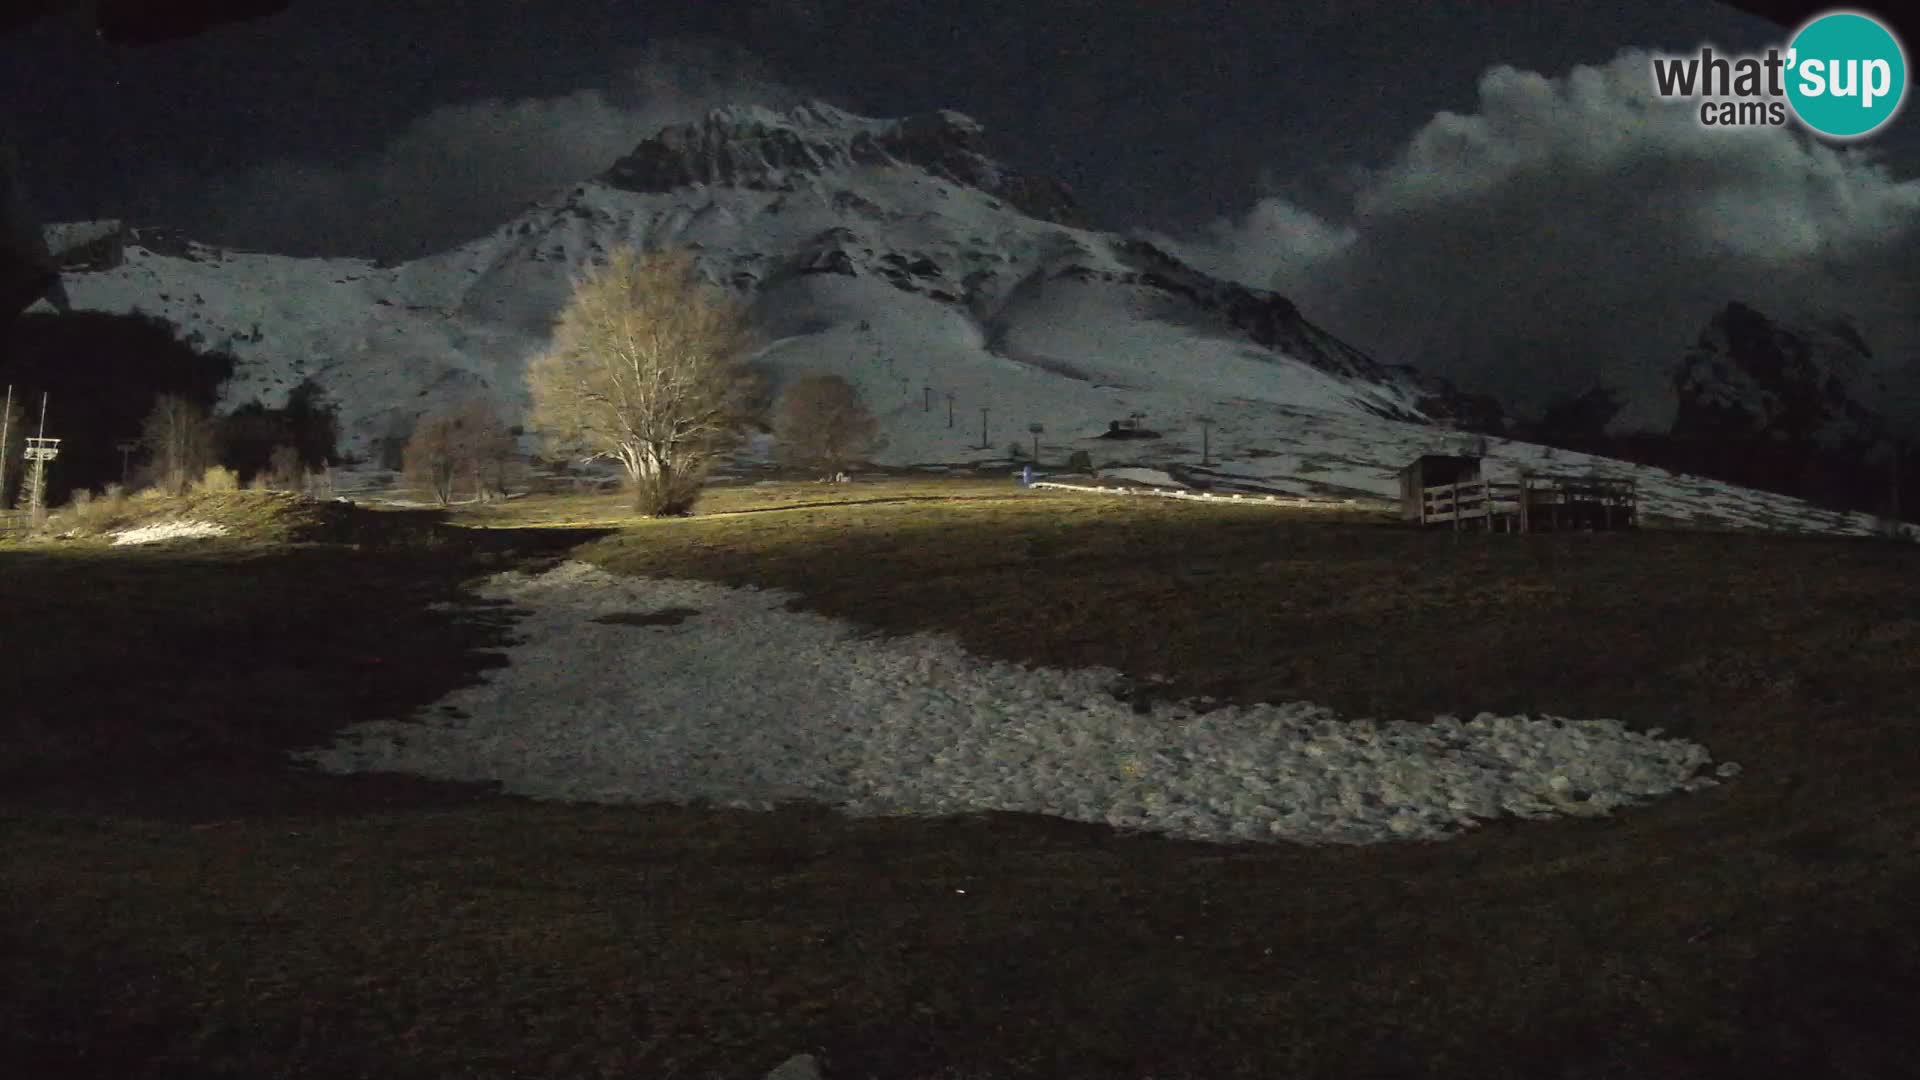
{"x": 746, "y": 704}
{"x": 1207, "y": 496}
{"x": 169, "y": 530}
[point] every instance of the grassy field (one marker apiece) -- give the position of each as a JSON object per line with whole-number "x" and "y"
{"x": 179, "y": 903}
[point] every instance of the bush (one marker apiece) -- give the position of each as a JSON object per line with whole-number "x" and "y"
{"x": 218, "y": 478}
{"x": 89, "y": 514}
{"x": 669, "y": 494}
{"x": 466, "y": 440}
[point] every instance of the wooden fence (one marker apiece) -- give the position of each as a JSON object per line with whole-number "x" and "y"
{"x": 1469, "y": 500}
{"x": 1533, "y": 504}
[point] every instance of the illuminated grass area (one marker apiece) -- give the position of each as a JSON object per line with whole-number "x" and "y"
{"x": 616, "y": 507}
{"x": 179, "y": 902}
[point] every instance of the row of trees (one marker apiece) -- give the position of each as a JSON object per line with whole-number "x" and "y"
{"x": 180, "y": 440}
{"x": 646, "y": 368}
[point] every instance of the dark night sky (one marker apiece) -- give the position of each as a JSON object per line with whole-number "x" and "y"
{"x": 1161, "y": 117}
{"x": 1300, "y": 145}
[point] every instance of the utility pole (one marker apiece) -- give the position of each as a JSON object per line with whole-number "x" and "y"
{"x": 1893, "y": 508}
{"x": 983, "y": 428}
{"x": 6, "y": 415}
{"x": 949, "y": 408}
{"x": 926, "y": 399}
{"x": 125, "y": 446}
{"x": 1035, "y": 430}
{"x": 1206, "y": 445}
{"x": 40, "y": 450}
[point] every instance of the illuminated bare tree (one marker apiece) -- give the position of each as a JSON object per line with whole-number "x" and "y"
{"x": 13, "y": 442}
{"x": 822, "y": 422}
{"x": 431, "y": 457}
{"x": 645, "y": 369}
{"x": 490, "y": 448}
{"x": 465, "y": 440}
{"x": 179, "y": 439}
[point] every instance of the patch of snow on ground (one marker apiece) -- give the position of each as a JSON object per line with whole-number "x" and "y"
{"x": 747, "y": 704}
{"x": 169, "y": 530}
{"x": 1155, "y": 477}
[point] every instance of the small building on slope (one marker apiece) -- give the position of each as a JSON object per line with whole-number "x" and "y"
{"x": 1455, "y": 491}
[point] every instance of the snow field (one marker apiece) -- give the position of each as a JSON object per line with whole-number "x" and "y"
{"x": 168, "y": 530}
{"x": 746, "y": 704}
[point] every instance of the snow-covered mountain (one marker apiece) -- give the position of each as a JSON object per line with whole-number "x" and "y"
{"x": 894, "y": 252}
{"x": 1790, "y": 405}
{"x": 1807, "y": 384}
{"x": 954, "y": 292}
{"x": 1795, "y": 385}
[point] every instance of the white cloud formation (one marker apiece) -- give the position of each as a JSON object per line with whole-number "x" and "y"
{"x": 460, "y": 170}
{"x": 1579, "y": 229}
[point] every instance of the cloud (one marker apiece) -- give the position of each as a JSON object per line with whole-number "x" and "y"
{"x": 460, "y": 170}
{"x": 1578, "y": 229}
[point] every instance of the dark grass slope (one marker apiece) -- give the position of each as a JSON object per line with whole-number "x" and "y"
{"x": 177, "y": 903}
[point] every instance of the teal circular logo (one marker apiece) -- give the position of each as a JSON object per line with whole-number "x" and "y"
{"x": 1846, "y": 74}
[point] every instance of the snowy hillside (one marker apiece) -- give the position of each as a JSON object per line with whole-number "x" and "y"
{"x": 892, "y": 252}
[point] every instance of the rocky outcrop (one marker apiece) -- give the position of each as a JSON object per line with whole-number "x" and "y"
{"x": 1583, "y": 420}
{"x": 766, "y": 150}
{"x": 1761, "y": 403}
{"x": 87, "y": 246}
{"x": 1439, "y": 399}
{"x": 27, "y": 271}
{"x": 1750, "y": 379}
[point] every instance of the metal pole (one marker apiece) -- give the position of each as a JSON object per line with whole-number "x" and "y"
{"x": 6, "y": 414}
{"x": 39, "y": 503}
{"x": 983, "y": 427}
{"x": 949, "y": 408}
{"x": 1894, "y": 508}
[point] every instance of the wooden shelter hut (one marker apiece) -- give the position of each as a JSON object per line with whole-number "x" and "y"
{"x": 1455, "y": 490}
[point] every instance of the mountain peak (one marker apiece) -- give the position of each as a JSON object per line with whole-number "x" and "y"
{"x": 817, "y": 117}
{"x": 1797, "y": 382}
{"x": 759, "y": 148}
